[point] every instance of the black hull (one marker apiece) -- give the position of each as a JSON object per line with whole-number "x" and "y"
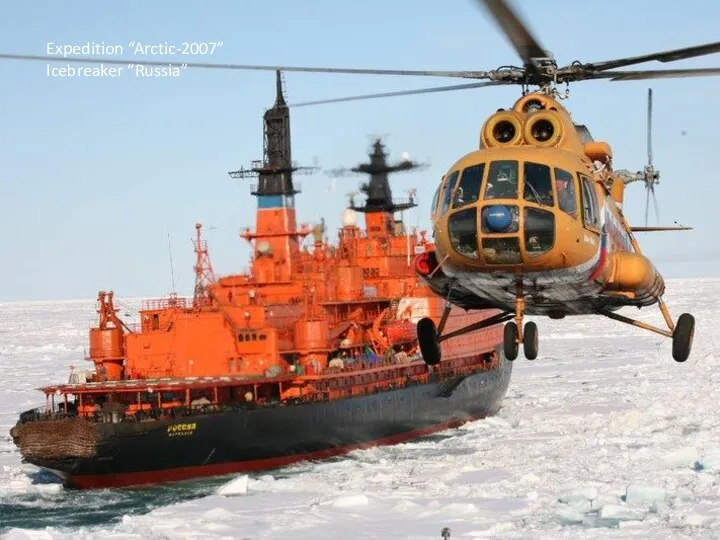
{"x": 131, "y": 453}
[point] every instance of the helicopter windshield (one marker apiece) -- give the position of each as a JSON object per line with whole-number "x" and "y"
{"x": 468, "y": 190}
{"x": 448, "y": 190}
{"x": 502, "y": 182}
{"x": 537, "y": 185}
{"x": 566, "y": 192}
{"x": 463, "y": 232}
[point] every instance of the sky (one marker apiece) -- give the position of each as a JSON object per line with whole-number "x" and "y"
{"x": 103, "y": 179}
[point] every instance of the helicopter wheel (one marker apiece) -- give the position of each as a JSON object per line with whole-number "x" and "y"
{"x": 428, "y": 341}
{"x": 683, "y": 337}
{"x": 510, "y": 341}
{"x": 530, "y": 340}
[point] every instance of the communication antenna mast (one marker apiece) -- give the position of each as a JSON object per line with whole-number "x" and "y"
{"x": 204, "y": 273}
{"x": 172, "y": 268}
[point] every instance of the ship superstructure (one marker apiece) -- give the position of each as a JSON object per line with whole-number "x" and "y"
{"x": 311, "y": 352}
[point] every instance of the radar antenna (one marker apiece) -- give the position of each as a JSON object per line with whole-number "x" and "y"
{"x": 377, "y": 191}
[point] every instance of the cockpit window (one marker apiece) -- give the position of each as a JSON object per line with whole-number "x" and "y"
{"x": 590, "y": 207}
{"x": 448, "y": 190}
{"x": 539, "y": 231}
{"x": 502, "y": 182}
{"x": 501, "y": 250}
{"x": 463, "y": 232}
{"x": 565, "y": 184}
{"x": 433, "y": 207}
{"x": 468, "y": 190}
{"x": 538, "y": 185}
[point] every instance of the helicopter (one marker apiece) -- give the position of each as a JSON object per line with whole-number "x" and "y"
{"x": 531, "y": 223}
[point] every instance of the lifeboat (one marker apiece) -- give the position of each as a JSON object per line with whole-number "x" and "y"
{"x": 400, "y": 331}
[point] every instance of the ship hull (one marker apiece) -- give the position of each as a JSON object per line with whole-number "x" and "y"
{"x": 135, "y": 453}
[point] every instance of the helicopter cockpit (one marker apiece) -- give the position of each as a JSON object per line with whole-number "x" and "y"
{"x": 499, "y": 210}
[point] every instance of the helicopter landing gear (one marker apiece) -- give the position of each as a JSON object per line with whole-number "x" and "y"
{"x": 514, "y": 333}
{"x": 430, "y": 336}
{"x": 428, "y": 341}
{"x": 683, "y": 337}
{"x": 511, "y": 343}
{"x": 681, "y": 333}
{"x": 530, "y": 341}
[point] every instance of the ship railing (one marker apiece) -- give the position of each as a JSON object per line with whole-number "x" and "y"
{"x": 157, "y": 304}
{"x": 324, "y": 392}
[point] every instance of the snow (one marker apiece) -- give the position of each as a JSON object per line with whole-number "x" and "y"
{"x": 604, "y": 435}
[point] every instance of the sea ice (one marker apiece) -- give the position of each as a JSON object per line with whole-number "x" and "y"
{"x": 350, "y": 501}
{"x": 578, "y": 495}
{"x": 637, "y": 493}
{"x": 238, "y": 486}
{"x": 684, "y": 457}
{"x": 569, "y": 516}
{"x": 709, "y": 462}
{"x": 619, "y": 512}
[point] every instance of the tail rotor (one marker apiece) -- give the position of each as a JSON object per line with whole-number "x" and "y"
{"x": 650, "y": 175}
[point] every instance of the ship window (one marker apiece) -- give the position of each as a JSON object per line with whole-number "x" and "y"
{"x": 448, "y": 190}
{"x": 463, "y": 232}
{"x": 468, "y": 190}
{"x": 565, "y": 184}
{"x": 538, "y": 185}
{"x": 241, "y": 337}
{"x": 539, "y": 231}
{"x": 254, "y": 337}
{"x": 590, "y": 217}
{"x": 263, "y": 337}
{"x": 155, "y": 321}
{"x": 501, "y": 250}
{"x": 502, "y": 182}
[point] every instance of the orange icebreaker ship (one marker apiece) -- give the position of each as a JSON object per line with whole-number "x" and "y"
{"x": 311, "y": 353}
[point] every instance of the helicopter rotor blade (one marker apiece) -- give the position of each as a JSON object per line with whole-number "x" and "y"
{"x": 666, "y": 56}
{"x": 649, "y": 127}
{"x": 647, "y": 203}
{"x": 401, "y": 93}
{"x": 243, "y": 67}
{"x": 653, "y": 74}
{"x": 516, "y": 31}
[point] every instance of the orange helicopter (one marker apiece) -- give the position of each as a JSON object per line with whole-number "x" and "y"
{"x": 531, "y": 223}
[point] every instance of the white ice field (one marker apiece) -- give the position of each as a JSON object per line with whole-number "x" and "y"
{"x": 603, "y": 436}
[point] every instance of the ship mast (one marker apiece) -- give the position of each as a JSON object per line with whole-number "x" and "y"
{"x": 204, "y": 274}
{"x": 276, "y": 237}
{"x": 379, "y": 207}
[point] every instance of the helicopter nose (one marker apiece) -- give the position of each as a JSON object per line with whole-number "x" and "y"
{"x": 498, "y": 218}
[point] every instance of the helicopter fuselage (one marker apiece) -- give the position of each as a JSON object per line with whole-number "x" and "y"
{"x": 538, "y": 217}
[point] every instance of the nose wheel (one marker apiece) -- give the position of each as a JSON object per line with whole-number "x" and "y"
{"x": 514, "y": 333}
{"x": 512, "y": 340}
